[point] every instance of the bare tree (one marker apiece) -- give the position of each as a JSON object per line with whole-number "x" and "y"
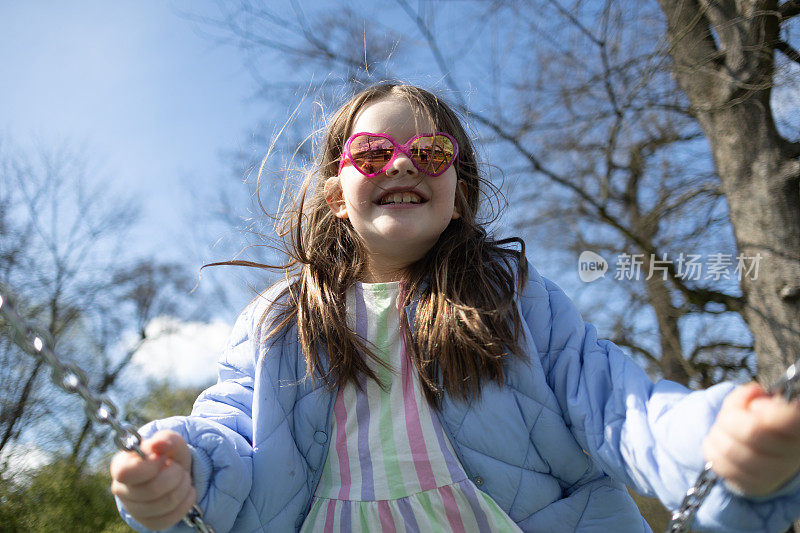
{"x": 62, "y": 240}
{"x": 148, "y": 290}
{"x": 54, "y": 227}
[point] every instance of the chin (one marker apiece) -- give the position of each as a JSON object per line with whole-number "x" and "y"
{"x": 397, "y": 240}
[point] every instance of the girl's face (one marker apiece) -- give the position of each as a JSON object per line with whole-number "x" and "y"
{"x": 400, "y": 213}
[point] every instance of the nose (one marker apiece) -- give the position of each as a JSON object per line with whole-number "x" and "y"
{"x": 402, "y": 166}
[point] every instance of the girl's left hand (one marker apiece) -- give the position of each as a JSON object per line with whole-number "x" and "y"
{"x": 755, "y": 442}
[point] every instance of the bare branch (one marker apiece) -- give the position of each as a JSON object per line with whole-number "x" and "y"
{"x": 599, "y": 42}
{"x": 435, "y": 50}
{"x": 788, "y": 51}
{"x": 699, "y": 349}
{"x": 794, "y": 150}
{"x": 789, "y": 9}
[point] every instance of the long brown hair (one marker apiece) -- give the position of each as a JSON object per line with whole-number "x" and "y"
{"x": 466, "y": 319}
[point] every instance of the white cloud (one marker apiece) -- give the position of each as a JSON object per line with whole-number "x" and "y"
{"x": 23, "y": 458}
{"x": 184, "y": 352}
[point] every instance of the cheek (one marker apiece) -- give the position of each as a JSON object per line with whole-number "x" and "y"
{"x": 357, "y": 191}
{"x": 446, "y": 193}
{"x": 451, "y": 201}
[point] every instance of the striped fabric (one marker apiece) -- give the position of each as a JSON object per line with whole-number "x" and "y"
{"x": 390, "y": 466}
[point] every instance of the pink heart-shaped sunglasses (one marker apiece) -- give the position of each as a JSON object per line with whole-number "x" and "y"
{"x": 373, "y": 153}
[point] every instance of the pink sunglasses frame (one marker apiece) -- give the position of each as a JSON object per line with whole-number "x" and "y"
{"x": 404, "y": 148}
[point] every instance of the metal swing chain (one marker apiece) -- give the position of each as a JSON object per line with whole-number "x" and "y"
{"x": 787, "y": 386}
{"x": 70, "y": 378}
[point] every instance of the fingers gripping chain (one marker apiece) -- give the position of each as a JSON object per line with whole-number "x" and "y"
{"x": 787, "y": 386}
{"x": 72, "y": 379}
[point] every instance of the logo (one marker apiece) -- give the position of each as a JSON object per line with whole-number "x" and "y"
{"x": 591, "y": 266}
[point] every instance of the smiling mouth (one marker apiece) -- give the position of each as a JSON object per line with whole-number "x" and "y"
{"x": 405, "y": 197}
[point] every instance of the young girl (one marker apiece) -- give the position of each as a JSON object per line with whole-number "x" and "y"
{"x": 412, "y": 374}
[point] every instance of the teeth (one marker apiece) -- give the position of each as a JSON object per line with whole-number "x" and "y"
{"x": 401, "y": 198}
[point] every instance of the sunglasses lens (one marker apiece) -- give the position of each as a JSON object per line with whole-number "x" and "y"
{"x": 370, "y": 154}
{"x": 433, "y": 153}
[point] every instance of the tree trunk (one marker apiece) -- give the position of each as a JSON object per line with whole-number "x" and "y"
{"x": 760, "y": 182}
{"x": 15, "y": 414}
{"x": 723, "y": 60}
{"x": 673, "y": 363}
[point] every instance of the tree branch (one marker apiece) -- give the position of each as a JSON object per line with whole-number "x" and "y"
{"x": 696, "y": 296}
{"x": 435, "y": 50}
{"x": 690, "y": 34}
{"x": 794, "y": 149}
{"x": 714, "y": 345}
{"x": 575, "y": 22}
{"x": 789, "y": 9}
{"x": 20, "y": 405}
{"x": 788, "y": 51}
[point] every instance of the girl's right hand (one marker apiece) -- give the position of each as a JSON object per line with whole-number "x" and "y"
{"x": 156, "y": 491}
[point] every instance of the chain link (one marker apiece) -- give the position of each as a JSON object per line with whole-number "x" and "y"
{"x": 72, "y": 379}
{"x": 787, "y": 386}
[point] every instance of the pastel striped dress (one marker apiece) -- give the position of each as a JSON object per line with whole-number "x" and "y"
{"x": 390, "y": 466}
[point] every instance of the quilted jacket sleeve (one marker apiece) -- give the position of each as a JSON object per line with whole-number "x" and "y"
{"x": 219, "y": 433}
{"x": 647, "y": 435}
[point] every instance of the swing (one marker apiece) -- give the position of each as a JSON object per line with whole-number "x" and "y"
{"x": 72, "y": 379}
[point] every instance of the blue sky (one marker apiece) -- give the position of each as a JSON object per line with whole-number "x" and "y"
{"x": 135, "y": 82}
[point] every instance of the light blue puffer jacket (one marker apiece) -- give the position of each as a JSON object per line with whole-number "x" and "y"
{"x": 554, "y": 447}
